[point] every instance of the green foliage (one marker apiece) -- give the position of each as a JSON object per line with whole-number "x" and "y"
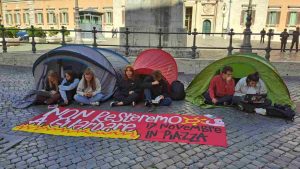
{"x": 10, "y": 33}
{"x": 67, "y": 33}
{"x": 38, "y": 32}
{"x": 53, "y": 33}
{"x": 56, "y": 32}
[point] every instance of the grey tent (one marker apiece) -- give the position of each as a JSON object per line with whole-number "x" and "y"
{"x": 107, "y": 65}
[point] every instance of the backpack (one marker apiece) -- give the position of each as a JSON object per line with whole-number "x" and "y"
{"x": 281, "y": 111}
{"x": 177, "y": 90}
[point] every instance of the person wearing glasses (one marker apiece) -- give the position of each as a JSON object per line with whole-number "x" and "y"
{"x": 221, "y": 88}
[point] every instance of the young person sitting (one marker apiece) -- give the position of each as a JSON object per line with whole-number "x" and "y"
{"x": 67, "y": 88}
{"x": 89, "y": 89}
{"x": 128, "y": 89}
{"x": 155, "y": 87}
{"x": 51, "y": 86}
{"x": 251, "y": 84}
{"x": 221, "y": 88}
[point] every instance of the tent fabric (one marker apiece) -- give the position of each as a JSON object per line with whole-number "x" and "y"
{"x": 242, "y": 64}
{"x": 119, "y": 61}
{"x": 105, "y": 63}
{"x": 156, "y": 59}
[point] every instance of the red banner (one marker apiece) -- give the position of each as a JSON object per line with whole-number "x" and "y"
{"x": 142, "y": 126}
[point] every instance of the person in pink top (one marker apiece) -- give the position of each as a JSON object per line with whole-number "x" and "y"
{"x": 221, "y": 88}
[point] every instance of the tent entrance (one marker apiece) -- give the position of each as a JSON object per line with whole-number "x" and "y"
{"x": 62, "y": 65}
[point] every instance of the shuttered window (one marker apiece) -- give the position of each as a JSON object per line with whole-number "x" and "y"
{"x": 9, "y": 19}
{"x": 39, "y": 18}
{"x": 292, "y": 19}
{"x": 26, "y": 18}
{"x": 244, "y": 15}
{"x": 51, "y": 18}
{"x": 273, "y": 18}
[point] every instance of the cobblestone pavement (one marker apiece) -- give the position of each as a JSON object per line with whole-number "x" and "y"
{"x": 254, "y": 141}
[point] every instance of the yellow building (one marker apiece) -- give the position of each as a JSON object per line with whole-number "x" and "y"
{"x": 1, "y": 18}
{"x": 283, "y": 14}
{"x": 53, "y": 14}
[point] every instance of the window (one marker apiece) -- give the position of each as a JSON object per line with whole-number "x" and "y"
{"x": 39, "y": 18}
{"x": 82, "y": 20}
{"x": 9, "y": 19}
{"x": 17, "y": 18}
{"x": 96, "y": 20}
{"x": 26, "y": 17}
{"x": 188, "y": 18}
{"x": 51, "y": 19}
{"x": 244, "y": 15}
{"x": 64, "y": 17}
{"x": 292, "y": 18}
{"x": 108, "y": 18}
{"x": 273, "y": 18}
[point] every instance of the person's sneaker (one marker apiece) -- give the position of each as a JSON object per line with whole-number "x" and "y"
{"x": 112, "y": 104}
{"x": 63, "y": 104}
{"x": 240, "y": 107}
{"x": 95, "y": 103}
{"x": 261, "y": 111}
{"x": 147, "y": 103}
{"x": 156, "y": 100}
{"x": 133, "y": 103}
{"x": 52, "y": 106}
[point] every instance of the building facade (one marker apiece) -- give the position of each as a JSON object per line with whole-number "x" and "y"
{"x": 1, "y": 17}
{"x": 118, "y": 14}
{"x": 204, "y": 15}
{"x": 222, "y": 15}
{"x": 283, "y": 14}
{"x": 53, "y": 14}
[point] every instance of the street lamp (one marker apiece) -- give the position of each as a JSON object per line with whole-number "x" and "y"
{"x": 246, "y": 46}
{"x": 77, "y": 38}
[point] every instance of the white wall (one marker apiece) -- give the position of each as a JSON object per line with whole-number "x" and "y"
{"x": 261, "y": 8}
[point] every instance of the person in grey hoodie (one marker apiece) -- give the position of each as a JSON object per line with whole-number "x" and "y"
{"x": 89, "y": 89}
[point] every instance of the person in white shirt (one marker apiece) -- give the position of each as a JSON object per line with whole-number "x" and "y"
{"x": 251, "y": 84}
{"x": 89, "y": 89}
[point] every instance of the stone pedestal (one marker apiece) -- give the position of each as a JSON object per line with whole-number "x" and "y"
{"x": 150, "y": 16}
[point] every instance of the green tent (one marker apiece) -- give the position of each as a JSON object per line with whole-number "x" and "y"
{"x": 242, "y": 64}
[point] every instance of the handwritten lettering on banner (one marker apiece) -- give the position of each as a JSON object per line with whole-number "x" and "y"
{"x": 142, "y": 126}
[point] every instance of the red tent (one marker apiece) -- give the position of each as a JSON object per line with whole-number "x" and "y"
{"x": 156, "y": 59}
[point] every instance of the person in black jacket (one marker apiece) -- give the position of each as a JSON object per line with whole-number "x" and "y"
{"x": 284, "y": 37}
{"x": 155, "y": 87}
{"x": 128, "y": 89}
{"x": 295, "y": 39}
{"x": 262, "y": 35}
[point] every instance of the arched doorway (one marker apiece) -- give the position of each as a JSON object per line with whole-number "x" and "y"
{"x": 206, "y": 27}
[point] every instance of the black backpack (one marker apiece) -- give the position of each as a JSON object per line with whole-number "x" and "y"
{"x": 282, "y": 111}
{"x": 177, "y": 90}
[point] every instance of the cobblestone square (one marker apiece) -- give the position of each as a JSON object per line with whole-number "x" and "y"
{"x": 254, "y": 141}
